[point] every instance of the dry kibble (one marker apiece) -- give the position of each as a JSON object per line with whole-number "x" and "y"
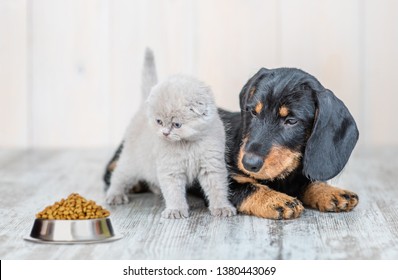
{"x": 75, "y": 207}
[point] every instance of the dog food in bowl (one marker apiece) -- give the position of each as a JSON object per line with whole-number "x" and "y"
{"x": 75, "y": 207}
{"x": 73, "y": 220}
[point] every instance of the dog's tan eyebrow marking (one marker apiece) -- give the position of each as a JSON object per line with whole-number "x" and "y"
{"x": 283, "y": 111}
{"x": 259, "y": 107}
{"x": 251, "y": 92}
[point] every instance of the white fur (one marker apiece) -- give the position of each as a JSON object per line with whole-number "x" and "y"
{"x": 170, "y": 157}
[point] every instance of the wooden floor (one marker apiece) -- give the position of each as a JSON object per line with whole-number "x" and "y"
{"x": 31, "y": 180}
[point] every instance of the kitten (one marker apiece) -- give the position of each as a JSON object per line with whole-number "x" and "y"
{"x": 179, "y": 139}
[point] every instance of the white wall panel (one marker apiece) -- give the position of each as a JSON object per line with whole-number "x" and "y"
{"x": 70, "y": 70}
{"x": 166, "y": 27}
{"x": 14, "y": 108}
{"x": 234, "y": 40}
{"x": 70, "y": 73}
{"x": 381, "y": 74}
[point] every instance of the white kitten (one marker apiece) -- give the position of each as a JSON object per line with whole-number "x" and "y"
{"x": 179, "y": 138}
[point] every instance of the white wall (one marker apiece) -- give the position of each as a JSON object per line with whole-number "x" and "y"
{"x": 70, "y": 69}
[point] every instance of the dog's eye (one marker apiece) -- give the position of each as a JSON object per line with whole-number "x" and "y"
{"x": 177, "y": 125}
{"x": 251, "y": 111}
{"x": 290, "y": 121}
{"x": 159, "y": 122}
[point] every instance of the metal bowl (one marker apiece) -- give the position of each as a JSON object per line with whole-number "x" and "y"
{"x": 72, "y": 231}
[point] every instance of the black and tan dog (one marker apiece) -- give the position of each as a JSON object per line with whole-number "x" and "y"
{"x": 291, "y": 136}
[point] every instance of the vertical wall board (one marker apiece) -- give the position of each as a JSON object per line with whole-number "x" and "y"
{"x": 13, "y": 74}
{"x": 235, "y": 39}
{"x": 323, "y": 38}
{"x": 70, "y": 70}
{"x": 381, "y": 60}
{"x": 164, "y": 26}
{"x": 126, "y": 52}
{"x": 170, "y": 30}
{"x": 69, "y": 58}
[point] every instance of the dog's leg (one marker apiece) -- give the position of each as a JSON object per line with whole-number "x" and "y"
{"x": 266, "y": 203}
{"x": 325, "y": 198}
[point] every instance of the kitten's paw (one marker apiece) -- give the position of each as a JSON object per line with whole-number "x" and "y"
{"x": 227, "y": 211}
{"x": 175, "y": 213}
{"x": 116, "y": 198}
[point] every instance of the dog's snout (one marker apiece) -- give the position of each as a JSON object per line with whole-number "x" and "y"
{"x": 252, "y": 162}
{"x": 253, "y": 147}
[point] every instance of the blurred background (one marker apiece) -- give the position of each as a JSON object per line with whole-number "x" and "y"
{"x": 70, "y": 69}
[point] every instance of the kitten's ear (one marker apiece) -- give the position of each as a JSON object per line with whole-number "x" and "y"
{"x": 199, "y": 108}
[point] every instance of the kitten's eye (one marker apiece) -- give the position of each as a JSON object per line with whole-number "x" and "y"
{"x": 290, "y": 121}
{"x": 159, "y": 122}
{"x": 177, "y": 125}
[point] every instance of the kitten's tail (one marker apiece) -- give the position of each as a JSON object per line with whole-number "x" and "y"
{"x": 149, "y": 76}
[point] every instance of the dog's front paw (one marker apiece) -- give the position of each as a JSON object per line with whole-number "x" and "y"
{"x": 226, "y": 211}
{"x": 270, "y": 204}
{"x": 326, "y": 198}
{"x": 115, "y": 198}
{"x": 175, "y": 213}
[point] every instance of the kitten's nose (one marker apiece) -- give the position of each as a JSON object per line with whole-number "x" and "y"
{"x": 166, "y": 133}
{"x": 252, "y": 162}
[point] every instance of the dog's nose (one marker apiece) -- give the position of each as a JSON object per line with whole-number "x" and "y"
{"x": 252, "y": 162}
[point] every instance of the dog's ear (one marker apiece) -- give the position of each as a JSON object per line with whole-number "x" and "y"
{"x": 333, "y": 136}
{"x": 250, "y": 87}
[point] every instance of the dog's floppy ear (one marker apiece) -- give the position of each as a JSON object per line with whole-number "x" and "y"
{"x": 333, "y": 136}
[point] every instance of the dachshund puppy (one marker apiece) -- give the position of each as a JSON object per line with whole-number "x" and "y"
{"x": 291, "y": 136}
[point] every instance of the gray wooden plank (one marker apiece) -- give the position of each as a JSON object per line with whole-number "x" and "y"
{"x": 31, "y": 180}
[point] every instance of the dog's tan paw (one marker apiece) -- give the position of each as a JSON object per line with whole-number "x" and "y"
{"x": 175, "y": 213}
{"x": 270, "y": 204}
{"x": 326, "y": 198}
